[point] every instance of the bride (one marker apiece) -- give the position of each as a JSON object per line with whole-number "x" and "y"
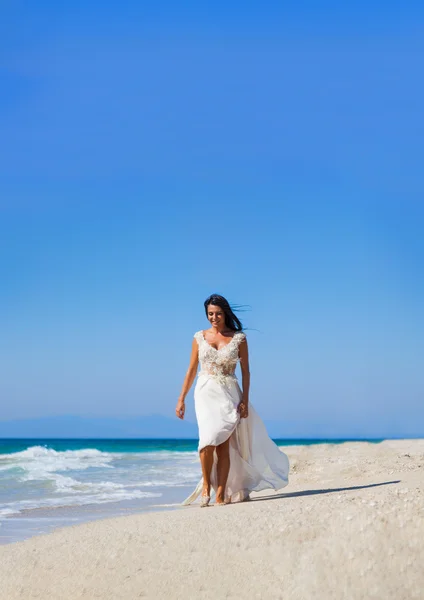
{"x": 236, "y": 453}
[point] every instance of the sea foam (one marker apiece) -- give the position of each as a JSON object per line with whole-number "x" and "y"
{"x": 38, "y": 472}
{"x": 41, "y": 477}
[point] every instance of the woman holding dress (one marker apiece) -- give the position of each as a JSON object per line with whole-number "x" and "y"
{"x": 236, "y": 453}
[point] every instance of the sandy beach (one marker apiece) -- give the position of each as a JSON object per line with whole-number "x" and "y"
{"x": 350, "y": 525}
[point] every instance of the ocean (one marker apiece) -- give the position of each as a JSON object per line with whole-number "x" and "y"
{"x": 45, "y": 483}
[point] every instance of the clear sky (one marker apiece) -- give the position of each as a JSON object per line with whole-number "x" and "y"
{"x": 154, "y": 153}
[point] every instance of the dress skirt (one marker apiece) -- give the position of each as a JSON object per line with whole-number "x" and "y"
{"x": 256, "y": 462}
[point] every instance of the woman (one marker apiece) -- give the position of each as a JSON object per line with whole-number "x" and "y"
{"x": 236, "y": 453}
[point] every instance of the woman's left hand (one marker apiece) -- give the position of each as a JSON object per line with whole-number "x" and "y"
{"x": 243, "y": 409}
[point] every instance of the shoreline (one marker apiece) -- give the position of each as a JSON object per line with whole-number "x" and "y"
{"x": 42, "y": 521}
{"x": 349, "y": 526}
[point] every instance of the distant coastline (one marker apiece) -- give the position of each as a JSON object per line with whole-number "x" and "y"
{"x": 159, "y": 427}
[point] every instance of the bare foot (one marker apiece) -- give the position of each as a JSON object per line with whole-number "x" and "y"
{"x": 205, "y": 498}
{"x": 221, "y": 501}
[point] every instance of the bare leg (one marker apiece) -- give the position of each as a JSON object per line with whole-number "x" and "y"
{"x": 223, "y": 468}
{"x": 206, "y": 460}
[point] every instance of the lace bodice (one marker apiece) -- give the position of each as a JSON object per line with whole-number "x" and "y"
{"x": 219, "y": 364}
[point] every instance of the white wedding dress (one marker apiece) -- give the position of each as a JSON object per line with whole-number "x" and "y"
{"x": 256, "y": 462}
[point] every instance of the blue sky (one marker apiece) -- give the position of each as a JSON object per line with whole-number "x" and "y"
{"x": 150, "y": 156}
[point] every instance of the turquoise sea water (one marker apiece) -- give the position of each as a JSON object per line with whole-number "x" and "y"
{"x": 45, "y": 482}
{"x": 8, "y": 446}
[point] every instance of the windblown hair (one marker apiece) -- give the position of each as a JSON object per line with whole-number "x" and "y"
{"x": 231, "y": 320}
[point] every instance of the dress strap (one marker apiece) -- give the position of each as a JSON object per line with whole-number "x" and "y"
{"x": 198, "y": 336}
{"x": 239, "y": 337}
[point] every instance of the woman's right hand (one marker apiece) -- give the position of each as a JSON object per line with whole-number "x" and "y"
{"x": 180, "y": 409}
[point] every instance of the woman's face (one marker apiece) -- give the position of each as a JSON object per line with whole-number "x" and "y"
{"x": 216, "y": 315}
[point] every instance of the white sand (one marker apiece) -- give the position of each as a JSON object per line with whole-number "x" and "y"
{"x": 350, "y": 525}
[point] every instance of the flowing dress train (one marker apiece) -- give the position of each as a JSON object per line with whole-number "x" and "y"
{"x": 256, "y": 462}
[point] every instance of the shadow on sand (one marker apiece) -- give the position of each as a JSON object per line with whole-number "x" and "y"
{"x": 323, "y": 491}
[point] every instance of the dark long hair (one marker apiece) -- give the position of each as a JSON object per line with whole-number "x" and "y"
{"x": 231, "y": 320}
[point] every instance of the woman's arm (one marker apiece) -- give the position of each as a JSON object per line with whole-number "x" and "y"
{"x": 188, "y": 380}
{"x": 245, "y": 377}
